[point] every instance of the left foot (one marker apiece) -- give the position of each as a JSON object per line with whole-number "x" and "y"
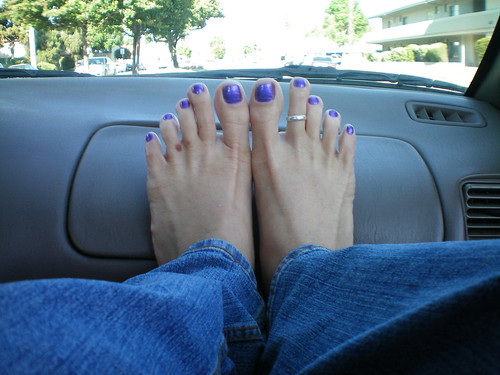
{"x": 201, "y": 187}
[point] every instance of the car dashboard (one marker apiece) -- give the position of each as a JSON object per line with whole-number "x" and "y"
{"x": 73, "y": 171}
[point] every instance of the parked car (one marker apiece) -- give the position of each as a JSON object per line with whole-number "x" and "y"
{"x": 22, "y": 66}
{"x": 98, "y": 66}
{"x": 320, "y": 61}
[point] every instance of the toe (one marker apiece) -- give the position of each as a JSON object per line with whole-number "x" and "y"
{"x": 266, "y": 105}
{"x": 232, "y": 109}
{"x": 199, "y": 98}
{"x": 347, "y": 145}
{"x": 187, "y": 121}
{"x": 314, "y": 111}
{"x": 331, "y": 126}
{"x": 154, "y": 155}
{"x": 299, "y": 93}
{"x": 169, "y": 128}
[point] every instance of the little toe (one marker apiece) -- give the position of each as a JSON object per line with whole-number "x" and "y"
{"x": 154, "y": 155}
{"x": 314, "y": 112}
{"x": 232, "y": 109}
{"x": 347, "y": 145}
{"x": 331, "y": 127}
{"x": 299, "y": 93}
{"x": 266, "y": 105}
{"x": 169, "y": 128}
{"x": 199, "y": 98}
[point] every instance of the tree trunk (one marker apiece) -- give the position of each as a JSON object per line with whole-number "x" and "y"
{"x": 172, "y": 47}
{"x": 136, "y": 47}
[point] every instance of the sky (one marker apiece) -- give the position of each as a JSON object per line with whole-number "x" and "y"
{"x": 273, "y": 24}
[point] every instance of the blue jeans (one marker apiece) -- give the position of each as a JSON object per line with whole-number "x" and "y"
{"x": 420, "y": 308}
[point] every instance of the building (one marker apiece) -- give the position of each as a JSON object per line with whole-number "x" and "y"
{"x": 458, "y": 23}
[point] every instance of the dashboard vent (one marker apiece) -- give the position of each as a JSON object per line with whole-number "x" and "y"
{"x": 482, "y": 211}
{"x": 441, "y": 114}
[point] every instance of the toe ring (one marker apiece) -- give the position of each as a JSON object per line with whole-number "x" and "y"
{"x": 296, "y": 118}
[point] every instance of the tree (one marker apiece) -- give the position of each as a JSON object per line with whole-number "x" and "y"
{"x": 218, "y": 48}
{"x": 138, "y": 19}
{"x": 249, "y": 49}
{"x": 11, "y": 33}
{"x": 88, "y": 18}
{"x": 174, "y": 19}
{"x": 345, "y": 22}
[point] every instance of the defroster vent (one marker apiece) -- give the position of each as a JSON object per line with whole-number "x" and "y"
{"x": 482, "y": 210}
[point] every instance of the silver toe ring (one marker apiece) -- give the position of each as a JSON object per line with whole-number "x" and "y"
{"x": 296, "y": 118}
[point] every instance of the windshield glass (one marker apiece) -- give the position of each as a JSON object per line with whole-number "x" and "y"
{"x": 438, "y": 39}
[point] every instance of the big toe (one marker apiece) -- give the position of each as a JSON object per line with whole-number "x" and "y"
{"x": 232, "y": 109}
{"x": 266, "y": 105}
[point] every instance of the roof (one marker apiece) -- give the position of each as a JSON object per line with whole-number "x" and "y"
{"x": 416, "y": 4}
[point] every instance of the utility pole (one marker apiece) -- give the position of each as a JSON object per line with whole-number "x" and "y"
{"x": 31, "y": 36}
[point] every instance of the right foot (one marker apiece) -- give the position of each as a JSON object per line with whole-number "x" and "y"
{"x": 304, "y": 187}
{"x": 201, "y": 187}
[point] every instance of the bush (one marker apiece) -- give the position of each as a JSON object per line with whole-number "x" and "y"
{"x": 67, "y": 63}
{"x": 46, "y": 66}
{"x": 371, "y": 56}
{"x": 480, "y": 47}
{"x": 437, "y": 52}
{"x": 402, "y": 54}
{"x": 418, "y": 51}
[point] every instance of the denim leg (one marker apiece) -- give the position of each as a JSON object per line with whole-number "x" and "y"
{"x": 199, "y": 314}
{"x": 386, "y": 309}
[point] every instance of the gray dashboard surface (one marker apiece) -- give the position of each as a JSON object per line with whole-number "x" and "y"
{"x": 73, "y": 173}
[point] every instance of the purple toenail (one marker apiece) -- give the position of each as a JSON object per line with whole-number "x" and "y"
{"x": 232, "y": 94}
{"x": 264, "y": 93}
{"x": 168, "y": 116}
{"x": 314, "y": 100}
{"x": 184, "y": 103}
{"x": 333, "y": 113}
{"x": 299, "y": 82}
{"x": 349, "y": 129}
{"x": 198, "y": 89}
{"x": 149, "y": 137}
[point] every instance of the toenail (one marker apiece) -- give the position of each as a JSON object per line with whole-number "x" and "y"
{"x": 264, "y": 92}
{"x": 198, "y": 89}
{"x": 299, "y": 82}
{"x": 184, "y": 103}
{"x": 168, "y": 116}
{"x": 149, "y": 137}
{"x": 349, "y": 129}
{"x": 333, "y": 113}
{"x": 232, "y": 94}
{"x": 314, "y": 100}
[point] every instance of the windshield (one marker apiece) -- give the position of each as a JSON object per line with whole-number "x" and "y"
{"x": 441, "y": 40}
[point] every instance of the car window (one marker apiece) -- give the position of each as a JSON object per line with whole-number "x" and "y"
{"x": 439, "y": 40}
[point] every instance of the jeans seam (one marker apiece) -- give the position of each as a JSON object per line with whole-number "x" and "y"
{"x": 227, "y": 253}
{"x": 283, "y": 264}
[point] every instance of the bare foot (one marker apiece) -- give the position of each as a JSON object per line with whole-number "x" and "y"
{"x": 304, "y": 187}
{"x": 201, "y": 187}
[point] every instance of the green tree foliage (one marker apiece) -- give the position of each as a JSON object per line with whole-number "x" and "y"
{"x": 174, "y": 20}
{"x": 91, "y": 20}
{"x": 480, "y": 47}
{"x": 344, "y": 24}
{"x": 218, "y": 48}
{"x": 249, "y": 49}
{"x": 185, "y": 51}
{"x": 100, "y": 24}
{"x": 11, "y": 33}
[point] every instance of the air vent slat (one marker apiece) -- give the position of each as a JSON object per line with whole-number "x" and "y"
{"x": 443, "y": 114}
{"x": 482, "y": 210}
